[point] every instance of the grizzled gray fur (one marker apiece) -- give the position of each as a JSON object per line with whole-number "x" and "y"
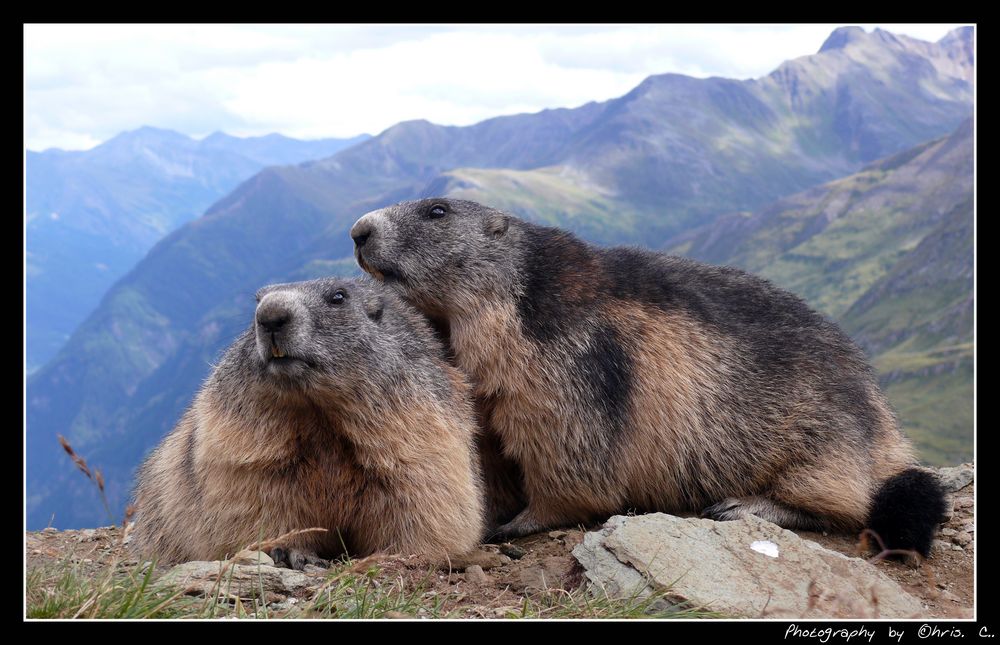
{"x": 621, "y": 379}
{"x": 336, "y": 410}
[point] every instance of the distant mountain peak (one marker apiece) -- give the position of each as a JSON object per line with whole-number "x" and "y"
{"x": 413, "y": 124}
{"x": 151, "y": 131}
{"x": 218, "y": 135}
{"x": 963, "y": 34}
{"x": 145, "y": 135}
{"x": 842, "y": 37}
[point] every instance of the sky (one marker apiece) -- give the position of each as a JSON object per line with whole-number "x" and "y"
{"x": 86, "y": 83}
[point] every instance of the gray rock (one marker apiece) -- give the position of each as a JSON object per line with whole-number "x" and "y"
{"x": 249, "y": 556}
{"x": 603, "y": 569}
{"x": 730, "y": 567}
{"x": 956, "y": 478}
{"x": 475, "y": 574}
{"x": 238, "y": 580}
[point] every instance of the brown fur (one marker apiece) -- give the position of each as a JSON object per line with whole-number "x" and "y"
{"x": 388, "y": 468}
{"x": 623, "y": 379}
{"x": 678, "y": 367}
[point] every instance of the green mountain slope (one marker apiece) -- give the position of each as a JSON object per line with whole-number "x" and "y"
{"x": 888, "y": 252}
{"x": 673, "y": 152}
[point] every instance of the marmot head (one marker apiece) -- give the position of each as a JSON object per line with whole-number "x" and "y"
{"x": 442, "y": 255}
{"x": 327, "y": 336}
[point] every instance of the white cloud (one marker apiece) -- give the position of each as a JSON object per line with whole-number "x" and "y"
{"x": 86, "y": 83}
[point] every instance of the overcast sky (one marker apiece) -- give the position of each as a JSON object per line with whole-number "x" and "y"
{"x": 86, "y": 83}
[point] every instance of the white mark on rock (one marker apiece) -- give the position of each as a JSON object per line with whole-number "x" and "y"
{"x": 766, "y": 547}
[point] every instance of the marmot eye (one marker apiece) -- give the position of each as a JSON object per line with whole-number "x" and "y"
{"x": 337, "y": 298}
{"x": 436, "y": 211}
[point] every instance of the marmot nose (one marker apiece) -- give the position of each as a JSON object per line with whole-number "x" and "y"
{"x": 361, "y": 231}
{"x": 272, "y": 319}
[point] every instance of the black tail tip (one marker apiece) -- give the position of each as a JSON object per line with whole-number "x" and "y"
{"x": 907, "y": 510}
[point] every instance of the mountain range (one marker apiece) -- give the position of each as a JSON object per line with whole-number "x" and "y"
{"x": 887, "y": 252}
{"x": 91, "y": 215}
{"x": 673, "y": 154}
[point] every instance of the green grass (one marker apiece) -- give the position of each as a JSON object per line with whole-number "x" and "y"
{"x": 552, "y": 196}
{"x": 898, "y": 359}
{"x": 365, "y": 595}
{"x": 64, "y": 590}
{"x": 936, "y": 411}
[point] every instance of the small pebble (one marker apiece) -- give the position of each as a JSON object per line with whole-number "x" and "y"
{"x": 512, "y": 551}
{"x": 475, "y": 574}
{"x": 557, "y": 535}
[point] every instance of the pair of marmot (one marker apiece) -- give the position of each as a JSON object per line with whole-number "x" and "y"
{"x": 604, "y": 380}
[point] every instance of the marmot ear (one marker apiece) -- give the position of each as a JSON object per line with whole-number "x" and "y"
{"x": 496, "y": 225}
{"x": 374, "y": 306}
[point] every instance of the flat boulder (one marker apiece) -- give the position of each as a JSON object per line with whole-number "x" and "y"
{"x": 227, "y": 579}
{"x": 744, "y": 568}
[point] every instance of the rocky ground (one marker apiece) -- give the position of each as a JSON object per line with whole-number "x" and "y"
{"x": 538, "y": 575}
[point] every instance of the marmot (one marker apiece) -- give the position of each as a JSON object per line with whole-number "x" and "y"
{"x": 622, "y": 379}
{"x": 336, "y": 409}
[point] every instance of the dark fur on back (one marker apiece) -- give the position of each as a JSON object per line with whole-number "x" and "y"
{"x": 619, "y": 378}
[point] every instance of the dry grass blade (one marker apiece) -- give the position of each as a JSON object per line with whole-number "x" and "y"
{"x": 80, "y": 462}
{"x": 884, "y": 551}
